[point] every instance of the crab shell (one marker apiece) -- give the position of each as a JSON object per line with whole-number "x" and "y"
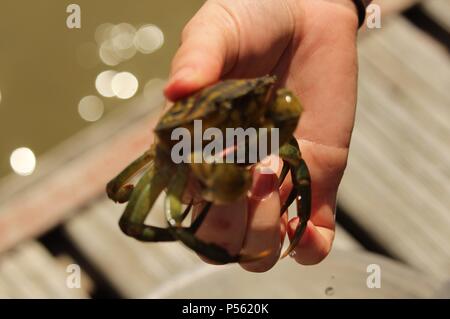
{"x": 230, "y": 103}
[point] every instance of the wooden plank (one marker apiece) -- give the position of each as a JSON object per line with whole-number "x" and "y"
{"x": 136, "y": 269}
{"x": 406, "y": 195}
{"x": 133, "y": 268}
{"x": 5, "y": 291}
{"x": 389, "y": 7}
{"x": 413, "y": 150}
{"x": 440, "y": 10}
{"x": 342, "y": 275}
{"x": 74, "y": 173}
{"x": 397, "y": 182}
{"x": 342, "y": 240}
{"x": 29, "y": 271}
{"x": 18, "y": 284}
{"x": 408, "y": 54}
{"x": 443, "y": 292}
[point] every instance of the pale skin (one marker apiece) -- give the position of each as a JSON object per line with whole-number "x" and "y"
{"x": 311, "y": 46}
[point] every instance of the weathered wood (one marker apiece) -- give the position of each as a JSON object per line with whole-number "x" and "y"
{"x": 74, "y": 173}
{"x": 29, "y": 271}
{"x": 440, "y": 10}
{"x": 390, "y": 7}
{"x": 342, "y": 240}
{"x": 443, "y": 292}
{"x": 133, "y": 268}
{"x": 342, "y": 275}
{"x": 397, "y": 182}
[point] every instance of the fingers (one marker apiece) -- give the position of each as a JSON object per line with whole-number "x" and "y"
{"x": 259, "y": 230}
{"x": 225, "y": 226}
{"x": 323, "y": 72}
{"x": 209, "y": 48}
{"x": 315, "y": 244}
{"x": 230, "y": 39}
{"x": 326, "y": 165}
{"x": 263, "y": 226}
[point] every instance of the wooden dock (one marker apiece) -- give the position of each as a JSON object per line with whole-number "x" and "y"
{"x": 397, "y": 185}
{"x": 395, "y": 194}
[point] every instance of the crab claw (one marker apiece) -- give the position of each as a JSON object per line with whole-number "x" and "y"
{"x": 119, "y": 189}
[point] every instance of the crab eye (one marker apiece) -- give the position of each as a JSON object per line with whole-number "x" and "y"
{"x": 288, "y": 98}
{"x": 285, "y": 96}
{"x": 286, "y": 104}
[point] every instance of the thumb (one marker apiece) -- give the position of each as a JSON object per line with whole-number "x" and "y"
{"x": 208, "y": 49}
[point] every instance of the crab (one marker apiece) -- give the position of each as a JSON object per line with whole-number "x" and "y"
{"x": 230, "y": 103}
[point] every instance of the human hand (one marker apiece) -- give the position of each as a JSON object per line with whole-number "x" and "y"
{"x": 311, "y": 46}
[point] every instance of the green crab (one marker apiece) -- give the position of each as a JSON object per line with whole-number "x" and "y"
{"x": 227, "y": 104}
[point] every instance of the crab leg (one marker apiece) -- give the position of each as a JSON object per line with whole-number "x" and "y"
{"x": 290, "y": 199}
{"x": 173, "y": 205}
{"x": 200, "y": 218}
{"x": 212, "y": 251}
{"x": 186, "y": 211}
{"x": 301, "y": 180}
{"x": 187, "y": 236}
{"x": 118, "y": 188}
{"x": 141, "y": 201}
{"x": 284, "y": 172}
{"x": 290, "y": 154}
{"x": 209, "y": 250}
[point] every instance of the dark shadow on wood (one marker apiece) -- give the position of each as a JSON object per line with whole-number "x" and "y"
{"x": 57, "y": 243}
{"x": 421, "y": 19}
{"x": 359, "y": 234}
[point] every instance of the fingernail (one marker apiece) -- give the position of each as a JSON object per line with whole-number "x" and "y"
{"x": 263, "y": 185}
{"x": 185, "y": 74}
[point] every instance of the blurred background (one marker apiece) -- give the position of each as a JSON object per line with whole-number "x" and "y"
{"x": 76, "y": 105}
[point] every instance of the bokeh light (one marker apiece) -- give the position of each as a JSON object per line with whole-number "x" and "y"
{"x": 122, "y": 40}
{"x": 23, "y": 161}
{"x": 126, "y": 54}
{"x": 103, "y": 83}
{"x": 108, "y": 55}
{"x": 148, "y": 39}
{"x": 122, "y": 36}
{"x": 103, "y": 32}
{"x": 124, "y": 85}
{"x": 91, "y": 108}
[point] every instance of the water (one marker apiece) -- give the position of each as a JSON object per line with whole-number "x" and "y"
{"x": 46, "y": 69}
